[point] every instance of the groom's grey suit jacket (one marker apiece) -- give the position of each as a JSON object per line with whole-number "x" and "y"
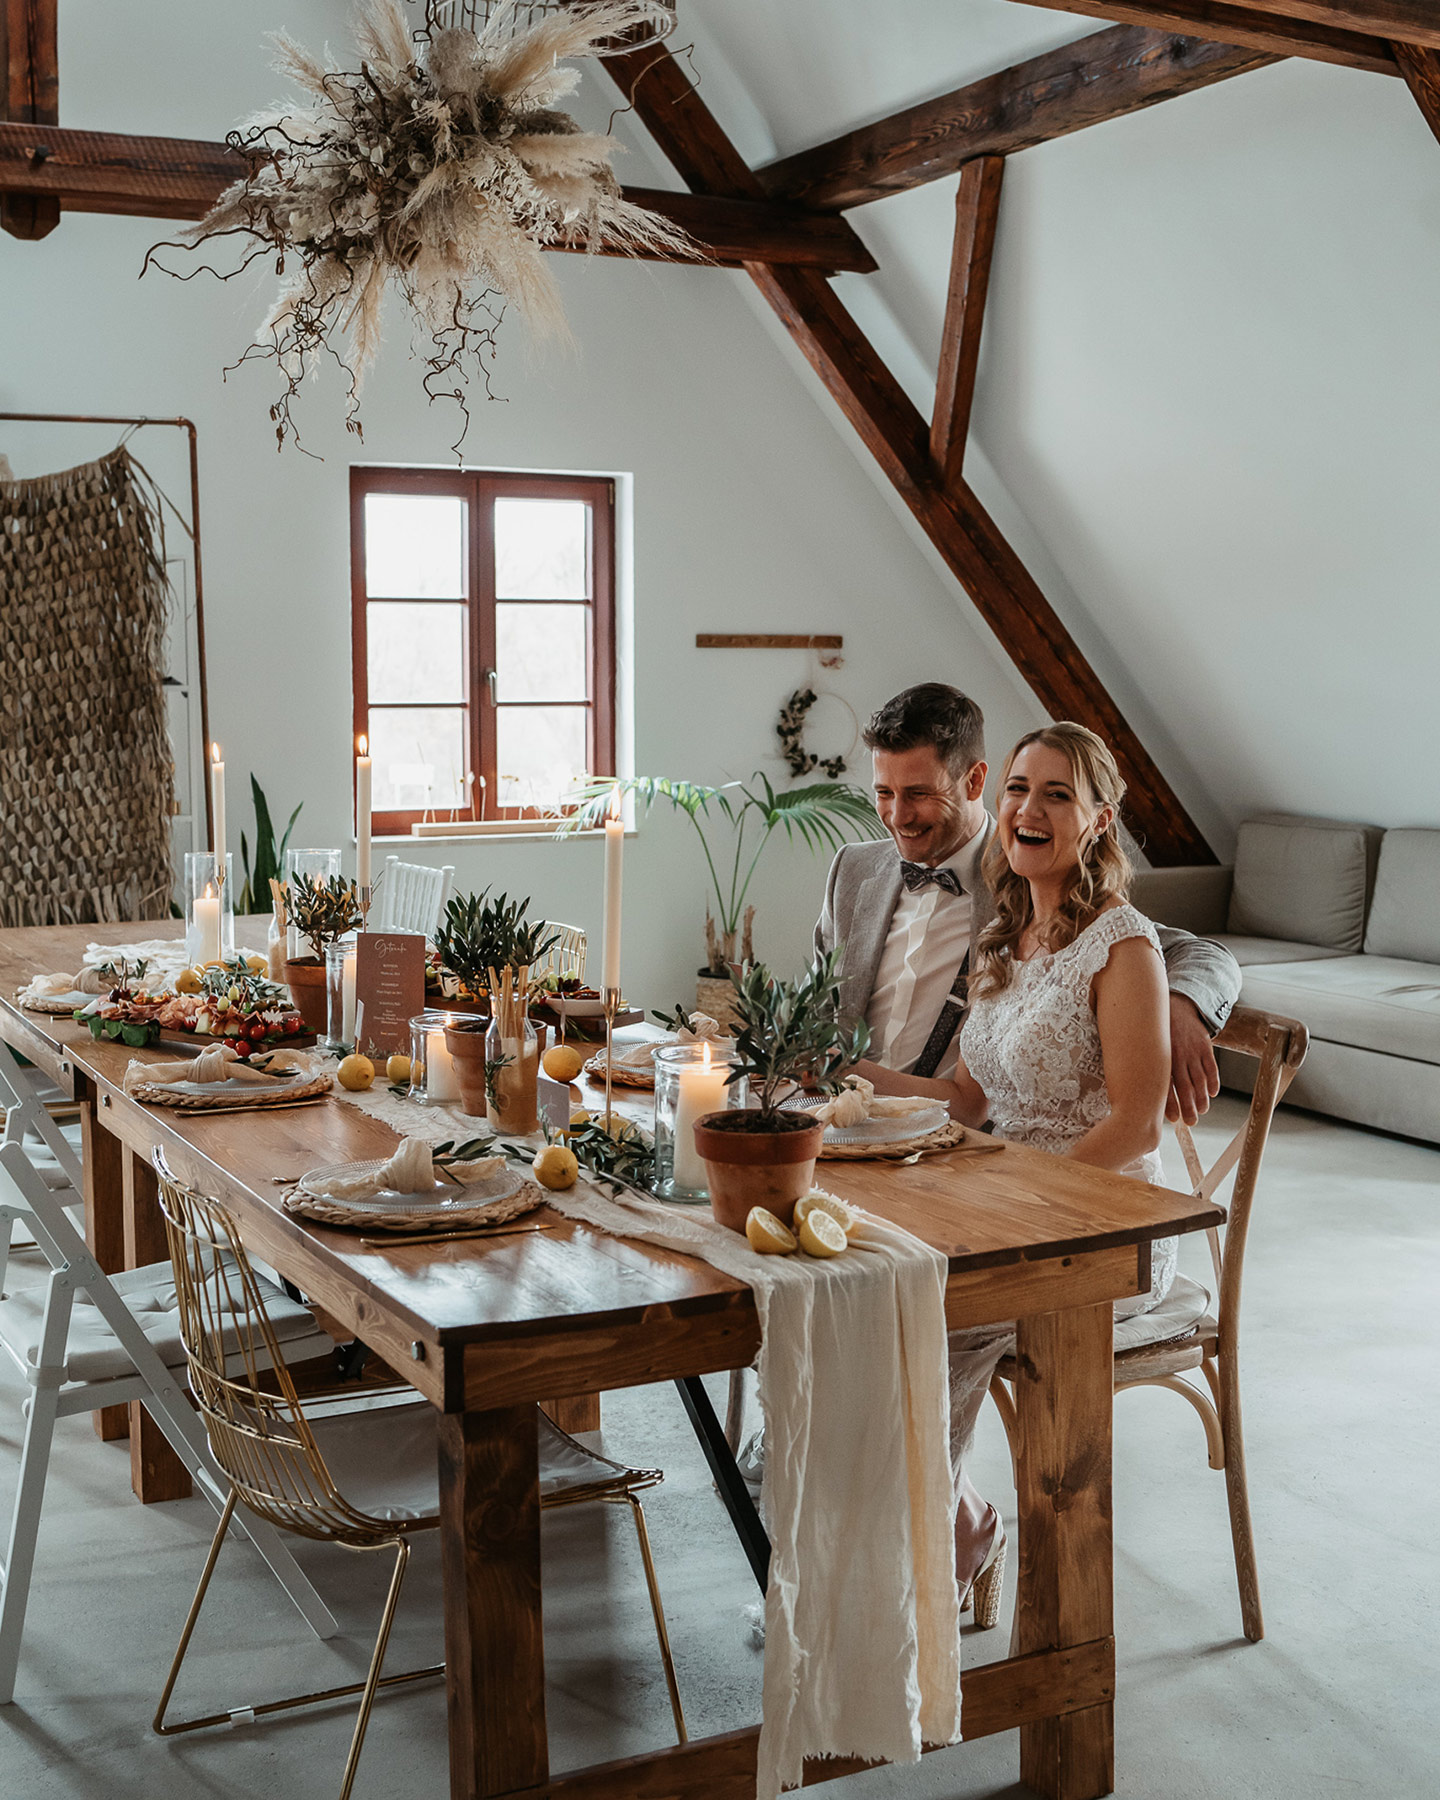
{"x": 860, "y": 898}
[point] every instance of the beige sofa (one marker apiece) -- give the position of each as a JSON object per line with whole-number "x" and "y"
{"x": 1338, "y": 925}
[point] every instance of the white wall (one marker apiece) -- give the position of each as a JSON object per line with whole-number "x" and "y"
{"x": 751, "y": 511}
{"x": 1209, "y": 400}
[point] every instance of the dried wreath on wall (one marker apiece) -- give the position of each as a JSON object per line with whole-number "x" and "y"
{"x": 790, "y": 729}
{"x": 441, "y": 165}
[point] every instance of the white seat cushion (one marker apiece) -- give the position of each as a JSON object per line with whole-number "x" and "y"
{"x": 1379, "y": 1003}
{"x": 94, "y": 1353}
{"x": 44, "y": 1160}
{"x": 383, "y": 1460}
{"x": 1183, "y": 1313}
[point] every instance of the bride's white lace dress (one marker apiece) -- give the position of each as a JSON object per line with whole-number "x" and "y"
{"x": 1035, "y": 1050}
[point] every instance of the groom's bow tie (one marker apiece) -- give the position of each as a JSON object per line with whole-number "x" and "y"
{"x": 916, "y": 876}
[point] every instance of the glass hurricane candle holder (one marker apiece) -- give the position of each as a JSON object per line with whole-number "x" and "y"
{"x": 319, "y": 865}
{"x": 433, "y": 1081}
{"x": 209, "y": 909}
{"x": 340, "y": 995}
{"x": 690, "y": 1081}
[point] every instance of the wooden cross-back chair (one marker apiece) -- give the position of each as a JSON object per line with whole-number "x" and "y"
{"x": 1160, "y": 1348}
{"x": 565, "y": 959}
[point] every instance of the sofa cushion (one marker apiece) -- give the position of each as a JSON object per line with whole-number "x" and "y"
{"x": 1248, "y": 950}
{"x": 1305, "y": 880}
{"x": 1371, "y": 1002}
{"x": 1405, "y": 913}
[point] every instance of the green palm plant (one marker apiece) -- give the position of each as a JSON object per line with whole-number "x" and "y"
{"x": 824, "y": 816}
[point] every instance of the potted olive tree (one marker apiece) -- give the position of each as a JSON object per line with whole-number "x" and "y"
{"x": 787, "y": 1033}
{"x": 490, "y": 945}
{"x": 322, "y": 912}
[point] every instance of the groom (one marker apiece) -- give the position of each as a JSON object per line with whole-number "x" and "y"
{"x": 908, "y": 921}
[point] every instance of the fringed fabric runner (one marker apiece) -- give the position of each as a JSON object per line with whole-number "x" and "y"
{"x": 86, "y": 780}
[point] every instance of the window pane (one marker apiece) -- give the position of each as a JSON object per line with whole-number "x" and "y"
{"x": 541, "y": 549}
{"x": 419, "y": 758}
{"x": 541, "y": 753}
{"x": 414, "y": 651}
{"x": 415, "y": 546}
{"x": 540, "y": 651}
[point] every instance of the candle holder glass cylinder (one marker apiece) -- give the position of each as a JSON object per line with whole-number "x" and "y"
{"x": 340, "y": 995}
{"x": 432, "y": 1070}
{"x": 209, "y": 909}
{"x": 319, "y": 865}
{"x": 690, "y": 1081}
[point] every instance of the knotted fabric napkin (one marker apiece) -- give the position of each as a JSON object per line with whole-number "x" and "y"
{"x": 857, "y": 1101}
{"x": 701, "y": 1030}
{"x": 862, "y": 1615}
{"x": 218, "y": 1063}
{"x": 47, "y": 987}
{"x": 411, "y": 1170}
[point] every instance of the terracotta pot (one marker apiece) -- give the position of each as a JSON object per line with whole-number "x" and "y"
{"x": 467, "y": 1052}
{"x": 305, "y": 976}
{"x": 772, "y": 1169}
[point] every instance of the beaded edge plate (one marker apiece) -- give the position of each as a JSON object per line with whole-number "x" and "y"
{"x": 524, "y": 1197}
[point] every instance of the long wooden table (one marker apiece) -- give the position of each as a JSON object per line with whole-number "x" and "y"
{"x": 486, "y": 1330}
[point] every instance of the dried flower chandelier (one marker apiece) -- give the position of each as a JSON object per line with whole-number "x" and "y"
{"x": 442, "y": 165}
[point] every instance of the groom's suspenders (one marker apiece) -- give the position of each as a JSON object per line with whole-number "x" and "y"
{"x": 951, "y": 1016}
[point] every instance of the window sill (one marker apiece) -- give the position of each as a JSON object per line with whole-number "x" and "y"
{"x": 488, "y": 835}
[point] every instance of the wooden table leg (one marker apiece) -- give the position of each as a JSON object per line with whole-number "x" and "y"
{"x": 156, "y": 1472}
{"x": 104, "y": 1159}
{"x": 494, "y": 1643}
{"x": 1065, "y": 1591}
{"x": 581, "y": 1412}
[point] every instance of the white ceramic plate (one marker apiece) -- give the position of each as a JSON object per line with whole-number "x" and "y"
{"x": 878, "y": 1131}
{"x": 232, "y": 1084}
{"x": 443, "y": 1198}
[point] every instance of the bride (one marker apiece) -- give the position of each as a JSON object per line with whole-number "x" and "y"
{"x": 1066, "y": 1044}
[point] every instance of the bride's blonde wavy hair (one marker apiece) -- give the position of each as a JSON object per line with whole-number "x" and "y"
{"x": 1103, "y": 871}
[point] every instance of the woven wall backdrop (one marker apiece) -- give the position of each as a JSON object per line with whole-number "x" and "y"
{"x": 86, "y": 779}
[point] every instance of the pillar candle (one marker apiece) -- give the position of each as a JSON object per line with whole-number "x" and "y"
{"x": 614, "y": 857}
{"x": 362, "y": 816}
{"x": 440, "y": 1079}
{"x": 207, "y": 923}
{"x": 217, "y": 810}
{"x": 347, "y": 997}
{"x": 701, "y": 1091}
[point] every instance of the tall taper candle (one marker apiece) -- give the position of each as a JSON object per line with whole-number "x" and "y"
{"x": 217, "y": 810}
{"x": 614, "y": 853}
{"x": 362, "y": 816}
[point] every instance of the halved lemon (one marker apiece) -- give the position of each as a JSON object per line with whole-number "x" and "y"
{"x": 820, "y": 1235}
{"x": 839, "y": 1210}
{"x": 765, "y": 1233}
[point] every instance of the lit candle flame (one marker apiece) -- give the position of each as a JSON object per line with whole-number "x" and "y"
{"x": 362, "y": 744}
{"x": 214, "y": 753}
{"x": 209, "y": 890}
{"x": 614, "y": 812}
{"x": 705, "y": 1057}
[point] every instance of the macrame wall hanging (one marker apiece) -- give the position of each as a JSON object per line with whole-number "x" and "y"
{"x": 86, "y": 787}
{"x": 440, "y": 165}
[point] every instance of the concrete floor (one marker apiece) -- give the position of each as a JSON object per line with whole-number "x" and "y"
{"x": 1341, "y": 1392}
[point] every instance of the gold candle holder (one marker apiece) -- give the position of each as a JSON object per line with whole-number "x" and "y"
{"x": 611, "y": 998}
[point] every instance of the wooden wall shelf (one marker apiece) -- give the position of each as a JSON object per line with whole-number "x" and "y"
{"x": 775, "y": 640}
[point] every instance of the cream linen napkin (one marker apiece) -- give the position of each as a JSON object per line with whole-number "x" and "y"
{"x": 862, "y": 1616}
{"x": 857, "y": 1101}
{"x": 46, "y": 987}
{"x": 701, "y": 1030}
{"x": 218, "y": 1063}
{"x": 411, "y": 1170}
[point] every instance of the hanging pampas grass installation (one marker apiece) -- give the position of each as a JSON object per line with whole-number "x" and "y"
{"x": 443, "y": 167}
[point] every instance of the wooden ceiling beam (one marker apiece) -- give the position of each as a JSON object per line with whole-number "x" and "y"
{"x": 30, "y": 66}
{"x": 1251, "y": 26}
{"x": 1408, "y": 21}
{"x": 1104, "y": 76}
{"x": 181, "y": 178}
{"x": 1421, "y": 69}
{"x": 890, "y": 425}
{"x": 977, "y": 212}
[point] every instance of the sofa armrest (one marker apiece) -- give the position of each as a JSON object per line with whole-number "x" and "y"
{"x": 1194, "y": 899}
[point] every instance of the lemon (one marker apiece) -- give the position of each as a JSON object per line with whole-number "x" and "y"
{"x": 562, "y": 1063}
{"x": 188, "y": 981}
{"x": 556, "y": 1167}
{"x": 397, "y": 1069}
{"x": 818, "y": 1201}
{"x": 579, "y": 1119}
{"x": 256, "y": 964}
{"x": 356, "y": 1073}
{"x": 820, "y": 1235}
{"x": 765, "y": 1233}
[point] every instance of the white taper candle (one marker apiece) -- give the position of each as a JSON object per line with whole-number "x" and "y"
{"x": 614, "y": 859}
{"x": 362, "y": 815}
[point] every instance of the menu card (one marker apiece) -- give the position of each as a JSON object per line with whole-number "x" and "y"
{"x": 389, "y": 989}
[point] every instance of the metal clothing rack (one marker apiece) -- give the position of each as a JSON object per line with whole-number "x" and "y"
{"x": 187, "y": 426}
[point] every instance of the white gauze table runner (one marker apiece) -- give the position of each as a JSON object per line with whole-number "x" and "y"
{"x": 862, "y": 1615}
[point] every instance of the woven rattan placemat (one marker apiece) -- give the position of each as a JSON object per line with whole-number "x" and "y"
{"x": 283, "y": 1094}
{"x": 494, "y": 1212}
{"x": 950, "y": 1136}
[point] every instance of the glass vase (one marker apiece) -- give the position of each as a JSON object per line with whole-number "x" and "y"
{"x": 433, "y": 1081}
{"x": 209, "y": 909}
{"x": 340, "y": 995}
{"x": 512, "y": 1078}
{"x": 690, "y": 1081}
{"x": 319, "y": 865}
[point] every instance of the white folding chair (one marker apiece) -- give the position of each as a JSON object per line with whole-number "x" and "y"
{"x": 83, "y": 1340}
{"x": 410, "y": 896}
{"x": 565, "y": 959}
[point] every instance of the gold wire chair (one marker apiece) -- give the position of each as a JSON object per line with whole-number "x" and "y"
{"x": 274, "y": 1456}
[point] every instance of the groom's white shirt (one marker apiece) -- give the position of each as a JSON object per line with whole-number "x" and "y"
{"x": 929, "y": 934}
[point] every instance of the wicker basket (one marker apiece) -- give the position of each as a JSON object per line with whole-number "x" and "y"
{"x": 717, "y": 998}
